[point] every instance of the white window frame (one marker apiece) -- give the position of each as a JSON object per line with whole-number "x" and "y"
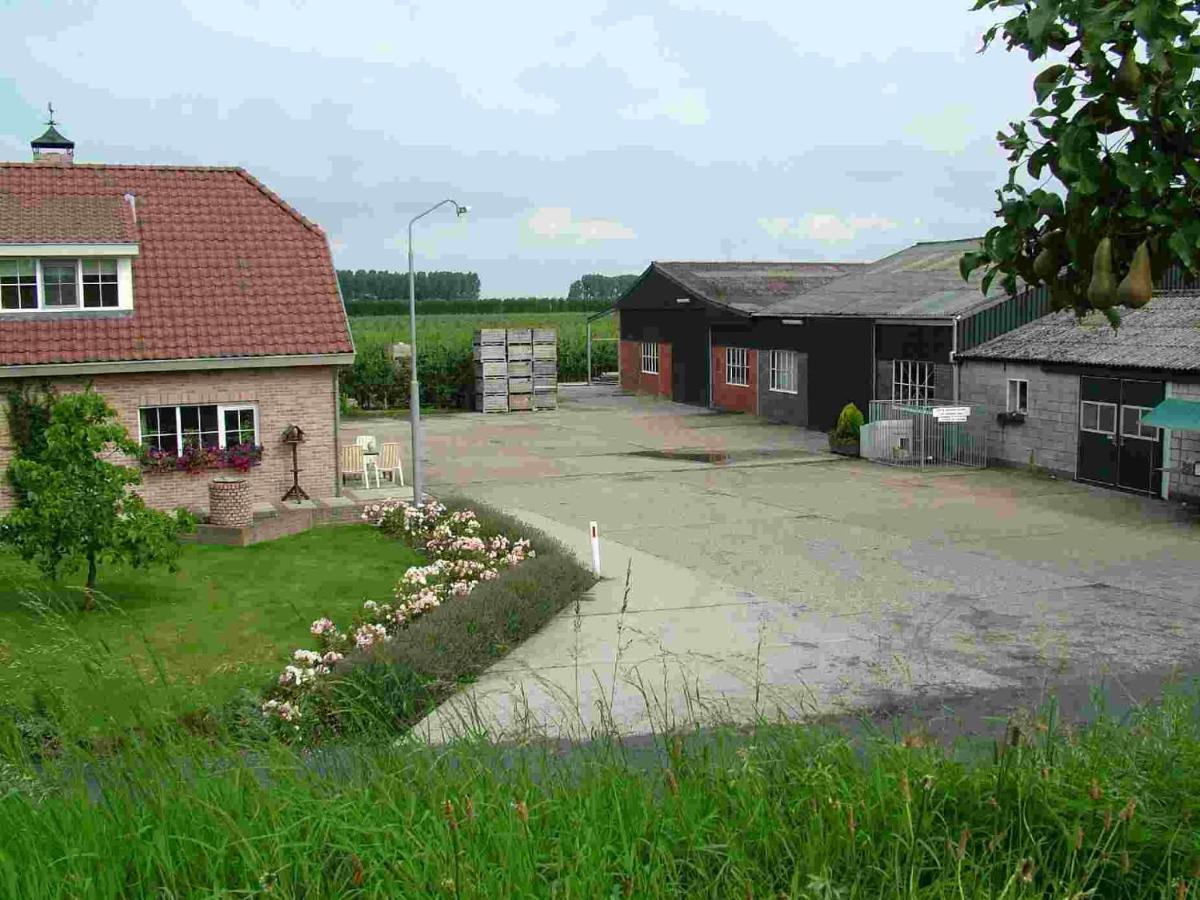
{"x": 1015, "y": 405}
{"x": 737, "y": 359}
{"x": 1155, "y": 433}
{"x": 913, "y": 381}
{"x": 124, "y": 282}
{"x": 649, "y": 358}
{"x": 784, "y": 363}
{"x": 222, "y": 408}
{"x": 1099, "y": 405}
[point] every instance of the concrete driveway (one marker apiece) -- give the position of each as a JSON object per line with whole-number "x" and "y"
{"x": 767, "y": 577}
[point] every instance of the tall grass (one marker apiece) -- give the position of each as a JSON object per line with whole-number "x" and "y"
{"x": 778, "y": 811}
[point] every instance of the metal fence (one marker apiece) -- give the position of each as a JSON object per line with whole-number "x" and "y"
{"x": 933, "y": 433}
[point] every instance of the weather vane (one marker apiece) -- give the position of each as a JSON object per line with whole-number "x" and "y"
{"x": 50, "y": 107}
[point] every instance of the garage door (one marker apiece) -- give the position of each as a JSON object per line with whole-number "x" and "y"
{"x": 1115, "y": 447}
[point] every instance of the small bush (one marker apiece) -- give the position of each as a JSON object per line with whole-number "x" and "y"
{"x": 849, "y": 421}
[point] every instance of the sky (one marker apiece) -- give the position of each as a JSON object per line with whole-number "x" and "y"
{"x": 586, "y": 136}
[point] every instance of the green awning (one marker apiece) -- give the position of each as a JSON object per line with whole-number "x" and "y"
{"x": 1174, "y": 413}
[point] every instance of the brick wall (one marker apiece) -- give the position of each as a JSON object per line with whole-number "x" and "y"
{"x": 734, "y": 397}
{"x": 1185, "y": 449}
{"x": 639, "y": 382}
{"x": 1050, "y": 431}
{"x": 304, "y": 395}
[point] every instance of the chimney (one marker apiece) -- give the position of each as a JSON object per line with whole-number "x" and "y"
{"x": 52, "y": 148}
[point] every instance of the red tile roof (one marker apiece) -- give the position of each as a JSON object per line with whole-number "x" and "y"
{"x": 66, "y": 220}
{"x": 225, "y": 267}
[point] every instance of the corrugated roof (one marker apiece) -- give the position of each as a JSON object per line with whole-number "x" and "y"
{"x": 1164, "y": 334}
{"x": 920, "y": 281}
{"x": 752, "y": 286}
{"x": 225, "y": 269}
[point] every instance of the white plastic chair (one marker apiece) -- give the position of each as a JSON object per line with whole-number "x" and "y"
{"x": 390, "y": 463}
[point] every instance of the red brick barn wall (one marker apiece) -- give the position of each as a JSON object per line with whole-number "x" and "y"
{"x": 737, "y": 398}
{"x": 635, "y": 380}
{"x": 304, "y": 395}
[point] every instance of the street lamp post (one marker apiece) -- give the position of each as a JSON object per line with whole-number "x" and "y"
{"x": 414, "y": 395}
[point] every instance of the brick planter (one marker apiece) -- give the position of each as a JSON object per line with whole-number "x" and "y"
{"x": 229, "y": 502}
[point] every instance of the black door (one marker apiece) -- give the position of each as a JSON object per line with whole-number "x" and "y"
{"x": 1139, "y": 462}
{"x": 689, "y": 359}
{"x": 1114, "y": 447}
{"x": 1099, "y": 400}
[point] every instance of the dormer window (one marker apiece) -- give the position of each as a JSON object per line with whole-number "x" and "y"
{"x": 63, "y": 283}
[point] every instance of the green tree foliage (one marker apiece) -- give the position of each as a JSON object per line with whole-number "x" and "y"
{"x": 849, "y": 422}
{"x": 78, "y": 506}
{"x": 382, "y": 285}
{"x": 600, "y": 287}
{"x": 489, "y": 306}
{"x": 1116, "y": 127}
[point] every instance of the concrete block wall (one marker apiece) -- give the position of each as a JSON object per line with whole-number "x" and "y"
{"x": 302, "y": 395}
{"x": 1050, "y": 431}
{"x": 1185, "y": 450}
{"x": 633, "y": 379}
{"x": 778, "y": 406}
{"x": 734, "y": 397}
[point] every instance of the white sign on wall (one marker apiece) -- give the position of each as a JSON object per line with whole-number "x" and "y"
{"x": 951, "y": 413}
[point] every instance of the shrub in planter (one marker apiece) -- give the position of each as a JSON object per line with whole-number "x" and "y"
{"x": 844, "y": 437}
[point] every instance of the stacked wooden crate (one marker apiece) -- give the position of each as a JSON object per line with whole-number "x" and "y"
{"x": 520, "y": 368}
{"x": 545, "y": 368}
{"x": 491, "y": 370}
{"x": 516, "y": 369}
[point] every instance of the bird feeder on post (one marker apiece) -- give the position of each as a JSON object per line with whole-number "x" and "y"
{"x": 294, "y": 435}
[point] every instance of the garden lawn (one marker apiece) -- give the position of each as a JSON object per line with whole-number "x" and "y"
{"x": 162, "y": 643}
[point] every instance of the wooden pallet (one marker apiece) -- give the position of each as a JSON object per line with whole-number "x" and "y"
{"x": 520, "y": 401}
{"x": 545, "y": 336}
{"x": 520, "y": 368}
{"x": 543, "y": 351}
{"x": 520, "y": 336}
{"x": 545, "y": 399}
{"x": 545, "y": 383}
{"x": 545, "y": 367}
{"x": 520, "y": 385}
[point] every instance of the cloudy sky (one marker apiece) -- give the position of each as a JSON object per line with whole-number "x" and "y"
{"x": 586, "y": 136}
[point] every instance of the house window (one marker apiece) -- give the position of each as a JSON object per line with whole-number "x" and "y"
{"x": 1018, "y": 395}
{"x": 1131, "y": 423}
{"x": 18, "y": 284}
{"x": 737, "y": 366}
{"x": 51, "y": 284}
{"x": 99, "y": 283}
{"x": 650, "y": 358}
{"x": 1098, "y": 417}
{"x": 912, "y": 381}
{"x": 172, "y": 428}
{"x": 783, "y": 371}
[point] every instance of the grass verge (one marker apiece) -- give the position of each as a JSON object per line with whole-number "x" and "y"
{"x": 783, "y": 811}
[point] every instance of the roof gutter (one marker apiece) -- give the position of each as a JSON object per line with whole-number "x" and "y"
{"x": 122, "y": 367}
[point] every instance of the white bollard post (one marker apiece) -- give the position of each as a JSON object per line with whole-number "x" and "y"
{"x": 595, "y": 549}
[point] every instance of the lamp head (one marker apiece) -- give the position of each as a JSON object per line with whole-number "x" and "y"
{"x": 461, "y": 210}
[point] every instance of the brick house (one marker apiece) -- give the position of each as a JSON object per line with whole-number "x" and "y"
{"x": 1119, "y": 409}
{"x": 203, "y": 307}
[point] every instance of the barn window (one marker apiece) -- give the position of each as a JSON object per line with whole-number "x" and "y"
{"x": 650, "y": 358}
{"x": 783, "y": 371}
{"x": 1018, "y": 395}
{"x": 1098, "y": 417}
{"x": 912, "y": 381}
{"x": 737, "y": 366}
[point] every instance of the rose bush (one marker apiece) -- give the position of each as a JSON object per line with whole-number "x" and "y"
{"x": 461, "y": 559}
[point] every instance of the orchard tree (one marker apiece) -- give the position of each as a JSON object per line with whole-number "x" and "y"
{"x": 77, "y": 506}
{"x": 1117, "y": 127}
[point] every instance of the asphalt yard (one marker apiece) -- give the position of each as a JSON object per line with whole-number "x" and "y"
{"x": 767, "y": 577}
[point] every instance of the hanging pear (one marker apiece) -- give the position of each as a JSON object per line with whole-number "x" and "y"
{"x": 1102, "y": 288}
{"x": 1045, "y": 264}
{"x": 1128, "y": 80}
{"x": 1137, "y": 286}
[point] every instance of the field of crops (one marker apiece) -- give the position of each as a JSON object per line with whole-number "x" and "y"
{"x": 444, "y": 354}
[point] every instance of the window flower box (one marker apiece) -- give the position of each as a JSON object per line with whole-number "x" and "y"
{"x": 195, "y": 460}
{"x": 1010, "y": 418}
